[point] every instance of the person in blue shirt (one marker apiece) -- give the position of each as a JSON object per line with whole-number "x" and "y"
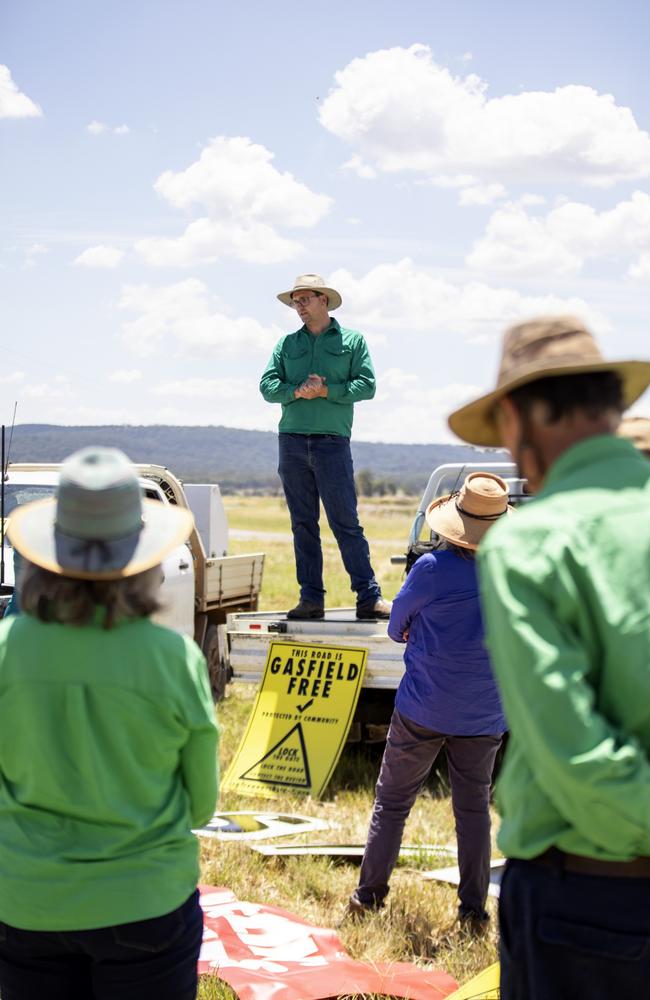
{"x": 447, "y": 697}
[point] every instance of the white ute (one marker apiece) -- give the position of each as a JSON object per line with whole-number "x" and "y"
{"x": 201, "y": 581}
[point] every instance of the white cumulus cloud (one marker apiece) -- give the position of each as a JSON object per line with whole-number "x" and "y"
{"x": 99, "y": 128}
{"x": 99, "y": 256}
{"x": 481, "y": 194}
{"x": 33, "y": 253}
{"x": 186, "y": 314}
{"x": 408, "y": 408}
{"x": 13, "y": 103}
{"x": 403, "y": 296}
{"x": 244, "y": 199}
{"x": 560, "y": 241}
{"x": 234, "y": 402}
{"x": 641, "y": 268}
{"x": 125, "y": 376}
{"x": 358, "y": 167}
{"x": 401, "y": 111}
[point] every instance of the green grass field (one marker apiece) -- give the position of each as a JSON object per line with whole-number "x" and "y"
{"x": 418, "y": 924}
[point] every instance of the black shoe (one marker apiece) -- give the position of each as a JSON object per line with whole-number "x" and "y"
{"x": 306, "y": 611}
{"x": 473, "y": 923}
{"x": 358, "y": 910}
{"x": 379, "y": 609}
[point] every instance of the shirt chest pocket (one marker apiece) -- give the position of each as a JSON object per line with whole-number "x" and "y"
{"x": 337, "y": 363}
{"x": 297, "y": 363}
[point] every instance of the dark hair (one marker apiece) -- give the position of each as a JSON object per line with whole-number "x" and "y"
{"x": 54, "y": 598}
{"x": 595, "y": 393}
{"x": 459, "y": 550}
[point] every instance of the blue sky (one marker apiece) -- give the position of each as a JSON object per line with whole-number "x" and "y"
{"x": 168, "y": 167}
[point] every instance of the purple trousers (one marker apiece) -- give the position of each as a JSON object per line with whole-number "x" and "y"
{"x": 409, "y": 756}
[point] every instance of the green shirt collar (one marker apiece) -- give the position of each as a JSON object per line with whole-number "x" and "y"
{"x": 334, "y": 327}
{"x": 603, "y": 447}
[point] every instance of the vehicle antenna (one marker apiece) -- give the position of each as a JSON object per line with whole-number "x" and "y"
{"x": 4, "y": 463}
{"x": 2, "y": 515}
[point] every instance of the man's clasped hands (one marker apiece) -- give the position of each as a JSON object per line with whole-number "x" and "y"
{"x": 313, "y": 386}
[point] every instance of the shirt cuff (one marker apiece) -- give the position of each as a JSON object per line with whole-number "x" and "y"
{"x": 336, "y": 390}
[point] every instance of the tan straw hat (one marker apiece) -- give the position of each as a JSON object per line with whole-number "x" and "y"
{"x": 464, "y": 517}
{"x": 548, "y": 345}
{"x": 312, "y": 283}
{"x": 98, "y": 527}
{"x": 636, "y": 430}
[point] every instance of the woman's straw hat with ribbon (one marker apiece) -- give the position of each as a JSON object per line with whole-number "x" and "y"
{"x": 98, "y": 527}
{"x": 463, "y": 518}
{"x": 549, "y": 345}
{"x": 312, "y": 283}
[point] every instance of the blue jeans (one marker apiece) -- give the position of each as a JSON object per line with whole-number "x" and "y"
{"x": 410, "y": 752}
{"x": 566, "y": 936}
{"x": 316, "y": 467}
{"x": 148, "y": 960}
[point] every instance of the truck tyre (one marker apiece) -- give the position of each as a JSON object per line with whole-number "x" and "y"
{"x": 217, "y": 669}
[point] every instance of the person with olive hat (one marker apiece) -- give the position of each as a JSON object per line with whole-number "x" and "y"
{"x": 107, "y": 750}
{"x": 637, "y": 430}
{"x": 317, "y": 374}
{"x": 446, "y": 698}
{"x": 566, "y": 596}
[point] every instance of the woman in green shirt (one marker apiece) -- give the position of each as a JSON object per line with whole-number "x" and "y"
{"x": 108, "y": 751}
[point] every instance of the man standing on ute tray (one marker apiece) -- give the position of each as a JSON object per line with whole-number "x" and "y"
{"x": 318, "y": 373}
{"x": 566, "y": 601}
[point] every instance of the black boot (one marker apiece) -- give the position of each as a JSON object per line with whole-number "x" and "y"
{"x": 306, "y": 611}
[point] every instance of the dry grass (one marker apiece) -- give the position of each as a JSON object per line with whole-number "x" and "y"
{"x": 418, "y": 924}
{"x": 386, "y": 522}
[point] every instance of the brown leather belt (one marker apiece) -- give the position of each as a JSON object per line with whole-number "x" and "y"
{"x": 577, "y": 863}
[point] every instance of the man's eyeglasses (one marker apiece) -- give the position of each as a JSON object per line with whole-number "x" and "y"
{"x": 304, "y": 300}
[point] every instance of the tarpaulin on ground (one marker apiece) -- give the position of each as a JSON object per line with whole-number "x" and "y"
{"x": 300, "y": 720}
{"x": 265, "y": 953}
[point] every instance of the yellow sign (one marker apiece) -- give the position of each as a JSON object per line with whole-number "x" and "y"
{"x": 485, "y": 986}
{"x": 300, "y": 720}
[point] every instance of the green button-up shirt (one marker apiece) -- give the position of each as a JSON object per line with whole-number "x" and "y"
{"x": 338, "y": 355}
{"x": 566, "y": 594}
{"x": 108, "y": 758}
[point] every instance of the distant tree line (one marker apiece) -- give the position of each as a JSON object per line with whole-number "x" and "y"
{"x": 369, "y": 485}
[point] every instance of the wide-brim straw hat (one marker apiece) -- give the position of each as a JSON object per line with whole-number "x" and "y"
{"x": 98, "y": 527}
{"x": 462, "y": 518}
{"x": 312, "y": 283}
{"x": 636, "y": 430}
{"x": 548, "y": 345}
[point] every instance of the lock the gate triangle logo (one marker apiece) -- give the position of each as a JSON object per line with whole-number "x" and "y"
{"x": 285, "y": 763}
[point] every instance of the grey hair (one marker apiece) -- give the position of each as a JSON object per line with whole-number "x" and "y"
{"x": 54, "y": 598}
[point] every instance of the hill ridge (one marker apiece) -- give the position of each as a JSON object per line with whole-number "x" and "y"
{"x": 233, "y": 457}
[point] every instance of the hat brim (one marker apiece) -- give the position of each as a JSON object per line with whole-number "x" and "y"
{"x": 449, "y": 523}
{"x": 334, "y": 300}
{"x": 33, "y": 533}
{"x": 475, "y": 422}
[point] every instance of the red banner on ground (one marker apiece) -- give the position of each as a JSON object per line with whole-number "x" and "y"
{"x": 265, "y": 953}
